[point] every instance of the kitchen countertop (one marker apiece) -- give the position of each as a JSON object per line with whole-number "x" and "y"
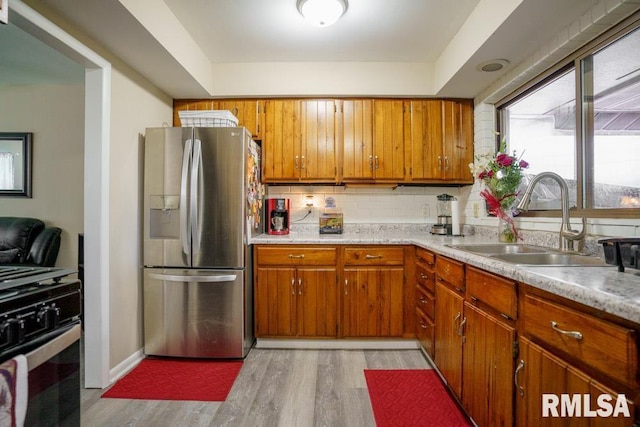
{"x": 602, "y": 288}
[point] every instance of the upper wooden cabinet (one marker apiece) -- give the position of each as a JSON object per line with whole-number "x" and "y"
{"x": 248, "y": 111}
{"x": 356, "y": 140}
{"x": 440, "y": 141}
{"x": 388, "y": 140}
{"x": 299, "y": 141}
{"x": 372, "y": 140}
{"x": 281, "y": 141}
{"x": 319, "y": 155}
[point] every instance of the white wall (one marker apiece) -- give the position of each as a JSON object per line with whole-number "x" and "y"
{"x": 135, "y": 105}
{"x": 55, "y": 115}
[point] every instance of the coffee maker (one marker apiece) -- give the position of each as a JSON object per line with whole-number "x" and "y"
{"x": 277, "y": 216}
{"x": 444, "y": 225}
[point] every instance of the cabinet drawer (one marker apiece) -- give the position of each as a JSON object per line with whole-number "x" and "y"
{"x": 294, "y": 255}
{"x": 495, "y": 291}
{"x": 374, "y": 256}
{"x": 608, "y": 348}
{"x": 450, "y": 271}
{"x": 426, "y": 302}
{"x": 426, "y": 332}
{"x": 425, "y": 257}
{"x": 425, "y": 278}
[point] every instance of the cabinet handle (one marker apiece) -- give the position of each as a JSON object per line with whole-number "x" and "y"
{"x": 422, "y": 325}
{"x": 371, "y": 162}
{"x": 300, "y": 286}
{"x": 293, "y": 286}
{"x": 303, "y": 163}
{"x": 377, "y": 164}
{"x": 296, "y": 256}
{"x": 446, "y": 163}
{"x": 295, "y": 165}
{"x": 346, "y": 286}
{"x": 422, "y": 300}
{"x": 439, "y": 163}
{"x": 461, "y": 328}
{"x": 455, "y": 320}
{"x": 573, "y": 334}
{"x": 424, "y": 276}
{"x": 367, "y": 256}
{"x": 515, "y": 378}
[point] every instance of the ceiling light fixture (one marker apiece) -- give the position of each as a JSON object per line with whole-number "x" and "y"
{"x": 492, "y": 65}
{"x": 322, "y": 13}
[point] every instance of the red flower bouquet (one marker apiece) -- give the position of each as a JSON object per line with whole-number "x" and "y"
{"x": 501, "y": 175}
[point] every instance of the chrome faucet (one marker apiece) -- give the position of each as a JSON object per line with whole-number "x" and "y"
{"x": 567, "y": 235}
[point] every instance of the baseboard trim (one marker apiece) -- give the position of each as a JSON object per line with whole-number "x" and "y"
{"x": 383, "y": 344}
{"x": 123, "y": 368}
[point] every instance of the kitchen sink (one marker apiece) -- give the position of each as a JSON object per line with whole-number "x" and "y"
{"x": 504, "y": 248}
{"x": 551, "y": 259}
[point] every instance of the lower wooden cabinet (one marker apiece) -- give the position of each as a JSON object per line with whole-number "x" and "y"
{"x": 296, "y": 302}
{"x": 296, "y": 292}
{"x": 373, "y": 302}
{"x": 487, "y": 358}
{"x": 448, "y": 346}
{"x": 540, "y": 373}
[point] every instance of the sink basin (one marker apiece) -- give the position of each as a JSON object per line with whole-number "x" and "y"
{"x": 504, "y": 248}
{"x": 551, "y": 259}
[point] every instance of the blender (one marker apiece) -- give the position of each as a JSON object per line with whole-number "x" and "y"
{"x": 444, "y": 215}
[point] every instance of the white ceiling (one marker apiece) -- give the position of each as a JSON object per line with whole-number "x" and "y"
{"x": 370, "y": 30}
{"x": 259, "y": 31}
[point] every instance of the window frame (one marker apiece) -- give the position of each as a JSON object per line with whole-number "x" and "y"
{"x": 584, "y": 120}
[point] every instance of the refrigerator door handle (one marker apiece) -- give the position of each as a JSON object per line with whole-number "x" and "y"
{"x": 207, "y": 278}
{"x": 184, "y": 220}
{"x": 196, "y": 173}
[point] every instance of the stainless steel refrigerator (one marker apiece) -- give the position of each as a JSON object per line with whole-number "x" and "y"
{"x": 202, "y": 203}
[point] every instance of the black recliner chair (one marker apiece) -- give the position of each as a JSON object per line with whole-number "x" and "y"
{"x": 27, "y": 241}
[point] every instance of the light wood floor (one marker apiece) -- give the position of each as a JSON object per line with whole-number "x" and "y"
{"x": 288, "y": 388}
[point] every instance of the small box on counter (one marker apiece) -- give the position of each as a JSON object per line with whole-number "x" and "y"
{"x": 331, "y": 223}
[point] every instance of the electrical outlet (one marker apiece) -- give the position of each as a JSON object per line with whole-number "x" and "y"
{"x": 426, "y": 210}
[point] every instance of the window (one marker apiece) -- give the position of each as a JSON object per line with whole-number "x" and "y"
{"x": 594, "y": 144}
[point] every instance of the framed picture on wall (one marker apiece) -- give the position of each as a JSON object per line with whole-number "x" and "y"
{"x": 15, "y": 164}
{"x": 4, "y": 11}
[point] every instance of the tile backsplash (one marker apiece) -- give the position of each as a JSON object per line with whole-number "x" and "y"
{"x": 360, "y": 205}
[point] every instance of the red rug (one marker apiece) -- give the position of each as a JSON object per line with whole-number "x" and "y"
{"x": 414, "y": 397}
{"x": 177, "y": 379}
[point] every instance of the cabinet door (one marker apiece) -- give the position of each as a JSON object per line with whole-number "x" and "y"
{"x": 281, "y": 150}
{"x": 318, "y": 158}
{"x": 275, "y": 302}
{"x": 425, "y": 332}
{"x": 448, "y": 346}
{"x": 373, "y": 302}
{"x": 246, "y": 110}
{"x": 487, "y": 394}
{"x": 357, "y": 139}
{"x": 457, "y": 136}
{"x": 388, "y": 140}
{"x": 425, "y": 153}
{"x": 538, "y": 372}
{"x": 317, "y": 310}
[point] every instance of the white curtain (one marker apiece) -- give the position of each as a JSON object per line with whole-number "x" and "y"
{"x": 6, "y": 171}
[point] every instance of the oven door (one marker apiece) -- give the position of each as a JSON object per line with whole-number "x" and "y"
{"x": 54, "y": 378}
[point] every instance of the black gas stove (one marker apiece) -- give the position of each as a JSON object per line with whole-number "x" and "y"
{"x": 40, "y": 319}
{"x": 35, "y": 301}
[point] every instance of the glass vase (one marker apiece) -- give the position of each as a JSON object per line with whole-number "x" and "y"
{"x": 507, "y": 228}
